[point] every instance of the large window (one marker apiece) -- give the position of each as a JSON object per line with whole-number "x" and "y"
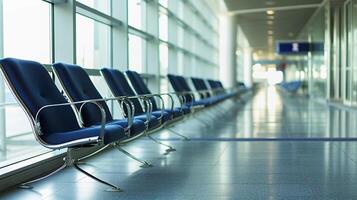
{"x": 164, "y": 65}
{"x": 27, "y": 29}
{"x": 27, "y": 35}
{"x": 163, "y": 29}
{"x": 135, "y": 53}
{"x": 154, "y": 37}
{"x": 134, "y": 13}
{"x": 100, "y": 5}
{"x": 93, "y": 43}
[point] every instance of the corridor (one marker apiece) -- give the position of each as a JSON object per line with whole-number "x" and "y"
{"x": 272, "y": 146}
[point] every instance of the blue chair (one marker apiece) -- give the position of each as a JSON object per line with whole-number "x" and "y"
{"x": 230, "y": 93}
{"x": 162, "y": 114}
{"x": 184, "y": 92}
{"x": 201, "y": 87}
{"x": 53, "y": 120}
{"x": 217, "y": 86}
{"x": 79, "y": 87}
{"x": 292, "y": 86}
{"x": 119, "y": 86}
{"x": 174, "y": 113}
{"x": 141, "y": 88}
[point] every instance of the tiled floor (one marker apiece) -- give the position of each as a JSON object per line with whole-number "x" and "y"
{"x": 268, "y": 148}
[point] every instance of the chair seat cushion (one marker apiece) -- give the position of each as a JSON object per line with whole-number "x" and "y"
{"x": 202, "y": 102}
{"x": 112, "y": 133}
{"x": 176, "y": 112}
{"x": 153, "y": 123}
{"x": 137, "y": 127}
{"x": 186, "y": 110}
{"x": 166, "y": 115}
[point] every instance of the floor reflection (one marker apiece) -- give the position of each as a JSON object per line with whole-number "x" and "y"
{"x": 210, "y": 168}
{"x": 272, "y": 114}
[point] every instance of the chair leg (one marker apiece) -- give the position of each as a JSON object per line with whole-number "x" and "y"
{"x": 178, "y": 134}
{"x": 170, "y": 148}
{"x": 144, "y": 163}
{"x": 27, "y": 185}
{"x": 113, "y": 188}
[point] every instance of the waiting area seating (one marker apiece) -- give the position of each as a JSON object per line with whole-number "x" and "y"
{"x": 291, "y": 86}
{"x": 79, "y": 117}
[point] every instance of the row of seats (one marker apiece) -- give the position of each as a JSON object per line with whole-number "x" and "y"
{"x": 81, "y": 118}
{"x": 291, "y": 86}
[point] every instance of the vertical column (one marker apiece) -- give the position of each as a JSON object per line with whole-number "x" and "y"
{"x": 327, "y": 49}
{"x": 247, "y": 64}
{"x": 227, "y": 49}
{"x": 120, "y": 45}
{"x": 309, "y": 69}
{"x": 65, "y": 32}
{"x": 172, "y": 37}
{"x": 152, "y": 45}
{"x": 2, "y": 88}
{"x": 120, "y": 35}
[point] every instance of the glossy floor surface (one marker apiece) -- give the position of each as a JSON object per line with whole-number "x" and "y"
{"x": 270, "y": 147}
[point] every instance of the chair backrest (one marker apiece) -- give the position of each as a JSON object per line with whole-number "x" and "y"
{"x": 79, "y": 87}
{"x": 200, "y": 85}
{"x": 119, "y": 86}
{"x": 241, "y": 84}
{"x": 185, "y": 87}
{"x": 212, "y": 84}
{"x": 33, "y": 88}
{"x": 179, "y": 84}
{"x": 182, "y": 81}
{"x": 220, "y": 85}
{"x": 175, "y": 85}
{"x": 139, "y": 85}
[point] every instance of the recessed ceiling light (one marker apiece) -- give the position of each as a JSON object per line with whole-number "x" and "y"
{"x": 270, "y": 22}
{"x": 270, "y": 12}
{"x": 270, "y": 32}
{"x": 271, "y": 17}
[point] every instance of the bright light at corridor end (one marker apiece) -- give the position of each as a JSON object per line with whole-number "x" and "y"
{"x": 267, "y": 73}
{"x": 274, "y": 77}
{"x": 270, "y": 12}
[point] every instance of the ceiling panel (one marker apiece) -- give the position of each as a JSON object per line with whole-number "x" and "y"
{"x": 239, "y": 5}
{"x": 286, "y": 24}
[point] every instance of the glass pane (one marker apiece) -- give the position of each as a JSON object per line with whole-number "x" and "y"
{"x": 27, "y": 35}
{"x": 93, "y": 43}
{"x": 27, "y": 30}
{"x": 164, "y": 3}
{"x": 354, "y": 46}
{"x": 135, "y": 53}
{"x": 164, "y": 62}
{"x": 348, "y": 50}
{"x": 163, "y": 29}
{"x": 101, "y": 5}
{"x": 134, "y": 13}
{"x": 348, "y": 34}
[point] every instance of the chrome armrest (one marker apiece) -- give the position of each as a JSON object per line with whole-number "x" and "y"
{"x": 148, "y": 108}
{"x": 130, "y": 109}
{"x": 171, "y": 99}
{"x": 95, "y": 102}
{"x": 162, "y": 104}
{"x": 103, "y": 118}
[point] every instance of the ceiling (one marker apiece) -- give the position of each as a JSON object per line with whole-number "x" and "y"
{"x": 263, "y": 29}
